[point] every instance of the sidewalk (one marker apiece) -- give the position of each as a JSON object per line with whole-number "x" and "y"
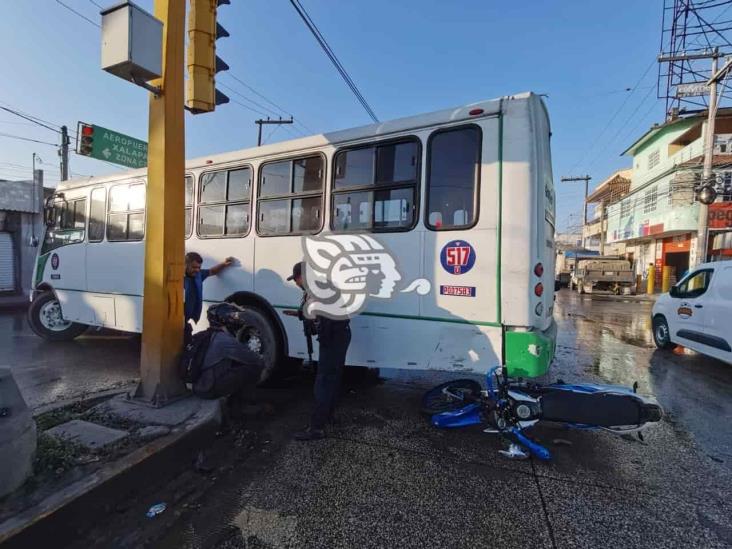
{"x": 93, "y": 454}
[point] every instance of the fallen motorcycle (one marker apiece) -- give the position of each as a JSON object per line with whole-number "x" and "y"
{"x": 508, "y": 407}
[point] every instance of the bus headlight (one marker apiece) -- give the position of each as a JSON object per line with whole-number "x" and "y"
{"x": 539, "y": 309}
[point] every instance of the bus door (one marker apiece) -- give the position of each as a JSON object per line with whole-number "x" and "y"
{"x": 64, "y": 245}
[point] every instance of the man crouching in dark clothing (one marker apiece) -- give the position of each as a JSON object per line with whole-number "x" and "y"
{"x": 334, "y": 336}
{"x": 229, "y": 367}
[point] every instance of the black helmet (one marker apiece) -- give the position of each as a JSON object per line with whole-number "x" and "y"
{"x": 221, "y": 314}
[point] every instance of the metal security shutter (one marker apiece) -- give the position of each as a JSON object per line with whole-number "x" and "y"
{"x": 7, "y": 263}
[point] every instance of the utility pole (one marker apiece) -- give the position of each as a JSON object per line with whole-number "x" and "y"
{"x": 162, "y": 333}
{"x": 586, "y": 179}
{"x": 37, "y": 195}
{"x": 603, "y": 213}
{"x": 261, "y": 122}
{"x": 64, "y": 153}
{"x": 707, "y": 172}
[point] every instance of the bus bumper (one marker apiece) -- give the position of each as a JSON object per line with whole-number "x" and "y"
{"x": 529, "y": 354}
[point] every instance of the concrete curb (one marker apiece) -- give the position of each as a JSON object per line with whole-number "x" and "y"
{"x": 97, "y": 395}
{"x": 61, "y": 515}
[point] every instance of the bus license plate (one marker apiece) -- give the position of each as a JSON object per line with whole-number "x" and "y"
{"x": 458, "y": 291}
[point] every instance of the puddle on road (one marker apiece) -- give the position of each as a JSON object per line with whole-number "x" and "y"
{"x": 610, "y": 339}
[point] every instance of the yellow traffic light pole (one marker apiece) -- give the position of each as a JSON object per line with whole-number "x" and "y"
{"x": 162, "y": 330}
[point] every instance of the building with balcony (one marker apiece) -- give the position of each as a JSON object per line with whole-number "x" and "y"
{"x": 657, "y": 220}
{"x": 594, "y": 231}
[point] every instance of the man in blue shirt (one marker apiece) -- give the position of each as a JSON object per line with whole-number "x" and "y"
{"x": 193, "y": 287}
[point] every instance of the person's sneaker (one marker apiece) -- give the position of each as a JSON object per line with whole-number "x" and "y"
{"x": 310, "y": 434}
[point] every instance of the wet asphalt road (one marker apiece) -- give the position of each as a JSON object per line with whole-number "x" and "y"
{"x": 49, "y": 372}
{"x": 385, "y": 478}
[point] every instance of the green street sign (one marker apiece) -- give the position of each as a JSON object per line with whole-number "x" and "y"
{"x": 103, "y": 144}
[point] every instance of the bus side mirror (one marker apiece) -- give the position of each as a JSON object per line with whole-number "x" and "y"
{"x": 674, "y": 291}
{"x": 48, "y": 215}
{"x": 557, "y": 285}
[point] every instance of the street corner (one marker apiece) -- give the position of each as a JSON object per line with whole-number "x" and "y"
{"x": 99, "y": 450}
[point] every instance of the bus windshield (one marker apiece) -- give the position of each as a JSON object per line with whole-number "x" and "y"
{"x": 67, "y": 221}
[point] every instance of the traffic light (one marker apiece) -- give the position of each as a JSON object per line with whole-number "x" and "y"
{"x": 85, "y": 139}
{"x": 203, "y": 63}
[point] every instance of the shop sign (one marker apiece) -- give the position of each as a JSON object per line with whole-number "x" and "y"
{"x": 720, "y": 215}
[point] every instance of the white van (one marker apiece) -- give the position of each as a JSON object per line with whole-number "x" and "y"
{"x": 697, "y": 312}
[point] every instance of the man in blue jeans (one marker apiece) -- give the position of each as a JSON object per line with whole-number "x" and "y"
{"x": 193, "y": 288}
{"x": 334, "y": 336}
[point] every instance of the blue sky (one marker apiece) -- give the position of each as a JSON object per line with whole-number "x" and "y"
{"x": 406, "y": 56}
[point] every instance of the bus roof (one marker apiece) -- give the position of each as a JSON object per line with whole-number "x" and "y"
{"x": 489, "y": 107}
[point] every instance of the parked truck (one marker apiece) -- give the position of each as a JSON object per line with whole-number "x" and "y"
{"x": 565, "y": 264}
{"x": 603, "y": 274}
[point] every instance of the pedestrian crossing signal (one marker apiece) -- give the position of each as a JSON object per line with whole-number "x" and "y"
{"x": 85, "y": 139}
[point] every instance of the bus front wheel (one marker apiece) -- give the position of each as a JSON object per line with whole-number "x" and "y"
{"x": 259, "y": 335}
{"x": 46, "y": 320}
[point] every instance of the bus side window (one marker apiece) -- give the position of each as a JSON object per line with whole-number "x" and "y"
{"x": 453, "y": 178}
{"x": 97, "y": 213}
{"x": 189, "y": 206}
{"x": 223, "y": 204}
{"x": 290, "y": 198}
{"x": 126, "y": 213}
{"x": 378, "y": 181}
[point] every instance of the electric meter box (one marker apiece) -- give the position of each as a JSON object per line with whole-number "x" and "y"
{"x": 132, "y": 43}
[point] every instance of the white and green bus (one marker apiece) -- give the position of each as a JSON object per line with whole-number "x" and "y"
{"x": 461, "y": 197}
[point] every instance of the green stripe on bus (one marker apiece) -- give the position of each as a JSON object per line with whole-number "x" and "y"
{"x": 40, "y": 268}
{"x": 412, "y": 317}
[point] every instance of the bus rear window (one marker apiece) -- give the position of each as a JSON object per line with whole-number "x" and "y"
{"x": 453, "y": 179}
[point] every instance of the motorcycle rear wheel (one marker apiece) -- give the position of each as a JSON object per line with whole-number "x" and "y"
{"x": 440, "y": 399}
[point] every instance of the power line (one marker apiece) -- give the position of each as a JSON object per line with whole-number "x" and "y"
{"x": 27, "y": 139}
{"x": 30, "y": 119}
{"x": 268, "y": 100}
{"x": 34, "y": 117}
{"x": 276, "y": 127}
{"x": 97, "y": 5}
{"x": 237, "y": 102}
{"x": 72, "y": 10}
{"x": 332, "y": 56}
{"x": 613, "y": 117}
{"x": 624, "y": 126}
{"x": 248, "y": 107}
{"x": 275, "y": 113}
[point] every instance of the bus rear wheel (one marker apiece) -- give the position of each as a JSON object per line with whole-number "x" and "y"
{"x": 259, "y": 335}
{"x": 46, "y": 320}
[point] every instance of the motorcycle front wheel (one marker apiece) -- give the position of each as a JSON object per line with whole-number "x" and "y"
{"x": 450, "y": 396}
